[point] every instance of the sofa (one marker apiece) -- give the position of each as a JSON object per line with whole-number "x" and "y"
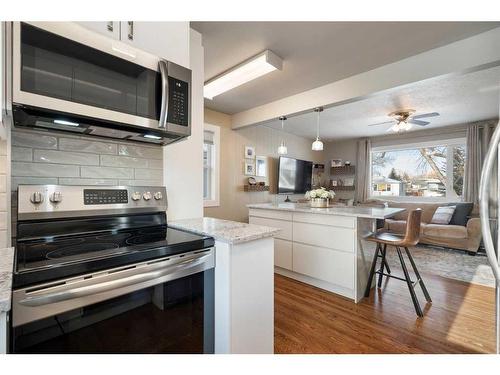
{"x": 461, "y": 237}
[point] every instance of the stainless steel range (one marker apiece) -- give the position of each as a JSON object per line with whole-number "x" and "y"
{"x": 98, "y": 270}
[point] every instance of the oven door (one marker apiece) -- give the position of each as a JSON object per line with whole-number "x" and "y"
{"x": 64, "y": 68}
{"x": 161, "y": 306}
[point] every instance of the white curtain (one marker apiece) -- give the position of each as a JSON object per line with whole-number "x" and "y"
{"x": 363, "y": 170}
{"x": 478, "y": 139}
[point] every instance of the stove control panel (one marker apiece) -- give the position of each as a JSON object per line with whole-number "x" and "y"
{"x": 46, "y": 201}
{"x": 104, "y": 196}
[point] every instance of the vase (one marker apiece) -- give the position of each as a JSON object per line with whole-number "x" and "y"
{"x": 319, "y": 202}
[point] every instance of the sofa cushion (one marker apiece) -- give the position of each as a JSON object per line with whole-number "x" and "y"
{"x": 428, "y": 209}
{"x": 443, "y": 215}
{"x": 449, "y": 231}
{"x": 461, "y": 214}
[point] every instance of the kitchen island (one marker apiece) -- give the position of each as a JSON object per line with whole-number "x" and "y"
{"x": 324, "y": 247}
{"x": 244, "y": 283}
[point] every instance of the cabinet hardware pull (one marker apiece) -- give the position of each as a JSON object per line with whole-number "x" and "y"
{"x": 110, "y": 26}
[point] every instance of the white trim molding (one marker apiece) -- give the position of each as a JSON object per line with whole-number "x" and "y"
{"x": 215, "y": 181}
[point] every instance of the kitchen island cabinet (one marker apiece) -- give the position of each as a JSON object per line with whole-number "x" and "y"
{"x": 244, "y": 283}
{"x": 324, "y": 247}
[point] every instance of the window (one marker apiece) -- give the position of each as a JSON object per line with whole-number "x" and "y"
{"x": 211, "y": 165}
{"x": 431, "y": 170}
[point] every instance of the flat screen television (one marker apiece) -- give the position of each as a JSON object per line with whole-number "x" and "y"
{"x": 294, "y": 175}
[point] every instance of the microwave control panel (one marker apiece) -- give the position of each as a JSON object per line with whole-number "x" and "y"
{"x": 178, "y": 106}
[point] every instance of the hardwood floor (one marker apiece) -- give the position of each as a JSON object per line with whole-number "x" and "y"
{"x": 461, "y": 319}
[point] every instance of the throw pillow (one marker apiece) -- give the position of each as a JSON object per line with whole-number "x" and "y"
{"x": 443, "y": 215}
{"x": 461, "y": 214}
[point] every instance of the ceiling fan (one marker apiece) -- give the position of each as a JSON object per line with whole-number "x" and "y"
{"x": 403, "y": 120}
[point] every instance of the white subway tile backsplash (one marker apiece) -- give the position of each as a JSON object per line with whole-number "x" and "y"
{"x": 87, "y": 181}
{"x": 153, "y": 174}
{"x": 25, "y": 169}
{"x": 64, "y": 157}
{"x": 3, "y": 164}
{"x": 155, "y": 164}
{"x": 22, "y": 154}
{"x": 33, "y": 139}
{"x": 141, "y": 182}
{"x": 106, "y": 172}
{"x": 3, "y": 220}
{"x": 83, "y": 145}
{"x": 3, "y": 147}
{"x": 123, "y": 161}
{"x": 3, "y": 202}
{"x": 16, "y": 181}
{"x": 140, "y": 151}
{"x": 3, "y": 183}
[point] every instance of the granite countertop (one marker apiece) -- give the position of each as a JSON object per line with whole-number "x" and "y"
{"x": 356, "y": 211}
{"x": 6, "y": 269}
{"x": 232, "y": 232}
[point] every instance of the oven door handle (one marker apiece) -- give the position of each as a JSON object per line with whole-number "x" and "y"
{"x": 40, "y": 299}
{"x": 163, "y": 66}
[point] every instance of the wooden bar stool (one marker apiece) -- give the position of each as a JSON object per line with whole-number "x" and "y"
{"x": 410, "y": 238}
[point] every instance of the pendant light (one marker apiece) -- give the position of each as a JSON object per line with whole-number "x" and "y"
{"x": 317, "y": 144}
{"x": 282, "y": 150}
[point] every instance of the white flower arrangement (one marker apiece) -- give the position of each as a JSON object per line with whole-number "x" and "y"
{"x": 320, "y": 193}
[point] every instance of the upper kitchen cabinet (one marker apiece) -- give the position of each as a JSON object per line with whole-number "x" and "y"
{"x": 107, "y": 28}
{"x": 169, "y": 40}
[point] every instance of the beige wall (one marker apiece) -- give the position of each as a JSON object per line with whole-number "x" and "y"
{"x": 233, "y": 199}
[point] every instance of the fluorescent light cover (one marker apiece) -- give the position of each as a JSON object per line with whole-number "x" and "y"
{"x": 151, "y": 136}
{"x": 64, "y": 122}
{"x": 247, "y": 71}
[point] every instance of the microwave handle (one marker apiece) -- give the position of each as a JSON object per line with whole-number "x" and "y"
{"x": 164, "y": 94}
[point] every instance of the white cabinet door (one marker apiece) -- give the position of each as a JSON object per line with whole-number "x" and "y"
{"x": 110, "y": 29}
{"x": 283, "y": 254}
{"x": 169, "y": 40}
{"x": 325, "y": 236}
{"x": 329, "y": 265}
{"x": 285, "y": 226}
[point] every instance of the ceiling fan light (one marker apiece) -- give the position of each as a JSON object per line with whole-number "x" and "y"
{"x": 317, "y": 145}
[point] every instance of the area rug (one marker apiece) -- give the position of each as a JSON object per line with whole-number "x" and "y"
{"x": 449, "y": 263}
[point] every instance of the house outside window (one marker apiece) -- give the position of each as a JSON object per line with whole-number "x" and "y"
{"x": 431, "y": 171}
{"x": 211, "y": 165}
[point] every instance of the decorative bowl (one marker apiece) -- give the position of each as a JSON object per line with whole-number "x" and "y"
{"x": 319, "y": 202}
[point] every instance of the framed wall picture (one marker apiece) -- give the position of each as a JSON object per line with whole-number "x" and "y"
{"x": 249, "y": 152}
{"x": 249, "y": 168}
{"x": 260, "y": 166}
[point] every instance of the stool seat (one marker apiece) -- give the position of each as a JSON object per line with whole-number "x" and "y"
{"x": 386, "y": 238}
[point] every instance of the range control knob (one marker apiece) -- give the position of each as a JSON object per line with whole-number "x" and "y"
{"x": 146, "y": 196}
{"x": 55, "y": 197}
{"x": 136, "y": 196}
{"x": 158, "y": 195}
{"x": 36, "y": 197}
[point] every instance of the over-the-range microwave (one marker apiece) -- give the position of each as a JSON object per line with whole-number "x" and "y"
{"x": 61, "y": 76}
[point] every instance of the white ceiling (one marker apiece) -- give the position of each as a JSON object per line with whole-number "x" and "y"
{"x": 458, "y": 98}
{"x": 316, "y": 53}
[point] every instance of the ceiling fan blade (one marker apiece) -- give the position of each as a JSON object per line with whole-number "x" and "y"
{"x": 424, "y": 115}
{"x": 382, "y": 123}
{"x": 418, "y": 122}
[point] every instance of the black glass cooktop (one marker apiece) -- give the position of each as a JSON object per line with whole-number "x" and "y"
{"x": 48, "y": 257}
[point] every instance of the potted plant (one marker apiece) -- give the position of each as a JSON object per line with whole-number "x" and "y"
{"x": 319, "y": 198}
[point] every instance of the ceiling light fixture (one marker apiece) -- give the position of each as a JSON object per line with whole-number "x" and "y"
{"x": 282, "y": 150}
{"x": 317, "y": 144}
{"x": 247, "y": 71}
